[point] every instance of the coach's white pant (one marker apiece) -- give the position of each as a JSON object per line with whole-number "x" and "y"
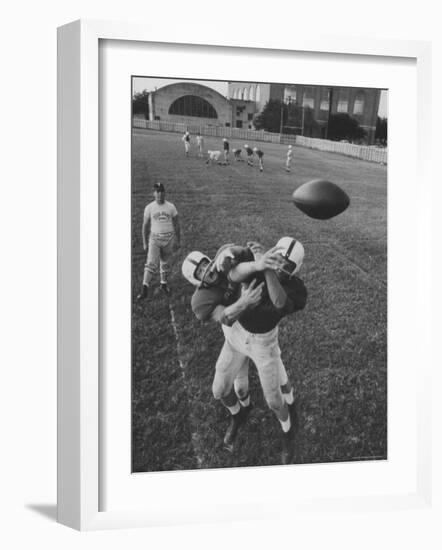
{"x": 263, "y": 350}
{"x": 160, "y": 249}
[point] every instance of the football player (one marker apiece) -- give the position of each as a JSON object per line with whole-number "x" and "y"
{"x": 251, "y": 332}
{"x": 161, "y": 238}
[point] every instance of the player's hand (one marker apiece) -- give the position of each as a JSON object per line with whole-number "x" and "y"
{"x": 251, "y": 294}
{"x": 272, "y": 259}
{"x": 223, "y": 262}
{"x": 145, "y": 247}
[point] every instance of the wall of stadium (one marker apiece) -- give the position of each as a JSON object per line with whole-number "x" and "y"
{"x": 162, "y": 100}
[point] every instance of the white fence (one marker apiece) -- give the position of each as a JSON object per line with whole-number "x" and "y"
{"x": 371, "y": 154}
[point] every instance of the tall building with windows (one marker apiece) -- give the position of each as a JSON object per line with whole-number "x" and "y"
{"x": 315, "y": 104}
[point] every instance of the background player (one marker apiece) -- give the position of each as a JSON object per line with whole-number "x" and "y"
{"x": 161, "y": 237}
{"x": 213, "y": 156}
{"x": 186, "y": 141}
{"x": 200, "y": 144}
{"x": 237, "y": 155}
{"x": 226, "y": 148}
{"x": 249, "y": 152}
{"x": 288, "y": 162}
{"x": 260, "y": 156}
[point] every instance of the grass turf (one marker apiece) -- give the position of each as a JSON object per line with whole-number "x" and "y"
{"x": 335, "y": 351}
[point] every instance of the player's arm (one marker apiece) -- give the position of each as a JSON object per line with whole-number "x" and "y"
{"x": 269, "y": 260}
{"x": 277, "y": 294}
{"x": 250, "y": 298}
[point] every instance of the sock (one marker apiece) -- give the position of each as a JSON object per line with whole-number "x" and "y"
{"x": 245, "y": 401}
{"x": 286, "y": 425}
{"x": 235, "y": 409}
{"x": 289, "y": 397}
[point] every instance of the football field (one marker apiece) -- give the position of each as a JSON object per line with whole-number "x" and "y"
{"x": 335, "y": 350}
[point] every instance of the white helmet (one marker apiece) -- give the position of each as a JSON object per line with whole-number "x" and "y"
{"x": 224, "y": 139}
{"x": 246, "y": 146}
{"x": 255, "y": 149}
{"x": 292, "y": 251}
{"x": 290, "y": 146}
{"x": 191, "y": 264}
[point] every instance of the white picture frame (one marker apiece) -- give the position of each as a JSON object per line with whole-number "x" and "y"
{"x": 79, "y": 274}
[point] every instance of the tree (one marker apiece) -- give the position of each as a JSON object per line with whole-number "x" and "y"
{"x": 343, "y": 126}
{"x": 381, "y": 130}
{"x": 140, "y": 104}
{"x": 270, "y": 117}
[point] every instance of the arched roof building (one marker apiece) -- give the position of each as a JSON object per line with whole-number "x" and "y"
{"x": 198, "y": 105}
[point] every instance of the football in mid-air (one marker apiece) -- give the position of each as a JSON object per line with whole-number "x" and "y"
{"x": 321, "y": 199}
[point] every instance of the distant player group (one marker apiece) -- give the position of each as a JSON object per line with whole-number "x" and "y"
{"x": 223, "y": 157}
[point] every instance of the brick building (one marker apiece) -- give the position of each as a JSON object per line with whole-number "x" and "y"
{"x": 311, "y": 104}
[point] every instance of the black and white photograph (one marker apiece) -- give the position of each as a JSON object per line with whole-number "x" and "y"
{"x": 259, "y": 273}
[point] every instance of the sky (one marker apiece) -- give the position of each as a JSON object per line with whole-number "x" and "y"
{"x": 143, "y": 83}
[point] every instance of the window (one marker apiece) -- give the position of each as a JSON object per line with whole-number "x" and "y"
{"x": 157, "y": 118}
{"x": 307, "y": 100}
{"x": 228, "y": 124}
{"x": 258, "y": 93}
{"x": 239, "y": 123}
{"x": 325, "y": 100}
{"x": 191, "y": 105}
{"x": 245, "y": 94}
{"x": 250, "y": 116}
{"x": 343, "y": 101}
{"x": 358, "y": 107}
{"x": 252, "y": 93}
{"x": 289, "y": 95}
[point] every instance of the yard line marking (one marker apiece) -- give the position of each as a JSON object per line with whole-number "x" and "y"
{"x": 175, "y": 332}
{"x": 194, "y": 435}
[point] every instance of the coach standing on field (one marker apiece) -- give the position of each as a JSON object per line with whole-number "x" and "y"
{"x": 161, "y": 238}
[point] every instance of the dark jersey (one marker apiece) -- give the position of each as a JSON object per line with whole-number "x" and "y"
{"x": 226, "y": 145}
{"x": 266, "y": 316}
{"x": 249, "y": 151}
{"x": 259, "y": 153}
{"x": 205, "y": 300}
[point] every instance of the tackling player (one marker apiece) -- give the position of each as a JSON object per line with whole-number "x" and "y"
{"x": 251, "y": 332}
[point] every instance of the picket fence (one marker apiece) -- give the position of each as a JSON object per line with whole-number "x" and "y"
{"x": 371, "y": 154}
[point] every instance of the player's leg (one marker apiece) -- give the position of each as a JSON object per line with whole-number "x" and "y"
{"x": 150, "y": 267}
{"x": 241, "y": 384}
{"x": 228, "y": 365}
{"x": 166, "y": 252}
{"x": 267, "y": 357}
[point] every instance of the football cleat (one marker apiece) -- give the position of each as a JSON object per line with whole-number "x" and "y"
{"x": 143, "y": 294}
{"x": 165, "y": 288}
{"x": 288, "y": 446}
{"x": 236, "y": 421}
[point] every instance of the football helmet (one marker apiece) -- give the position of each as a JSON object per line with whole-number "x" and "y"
{"x": 293, "y": 252}
{"x": 198, "y": 269}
